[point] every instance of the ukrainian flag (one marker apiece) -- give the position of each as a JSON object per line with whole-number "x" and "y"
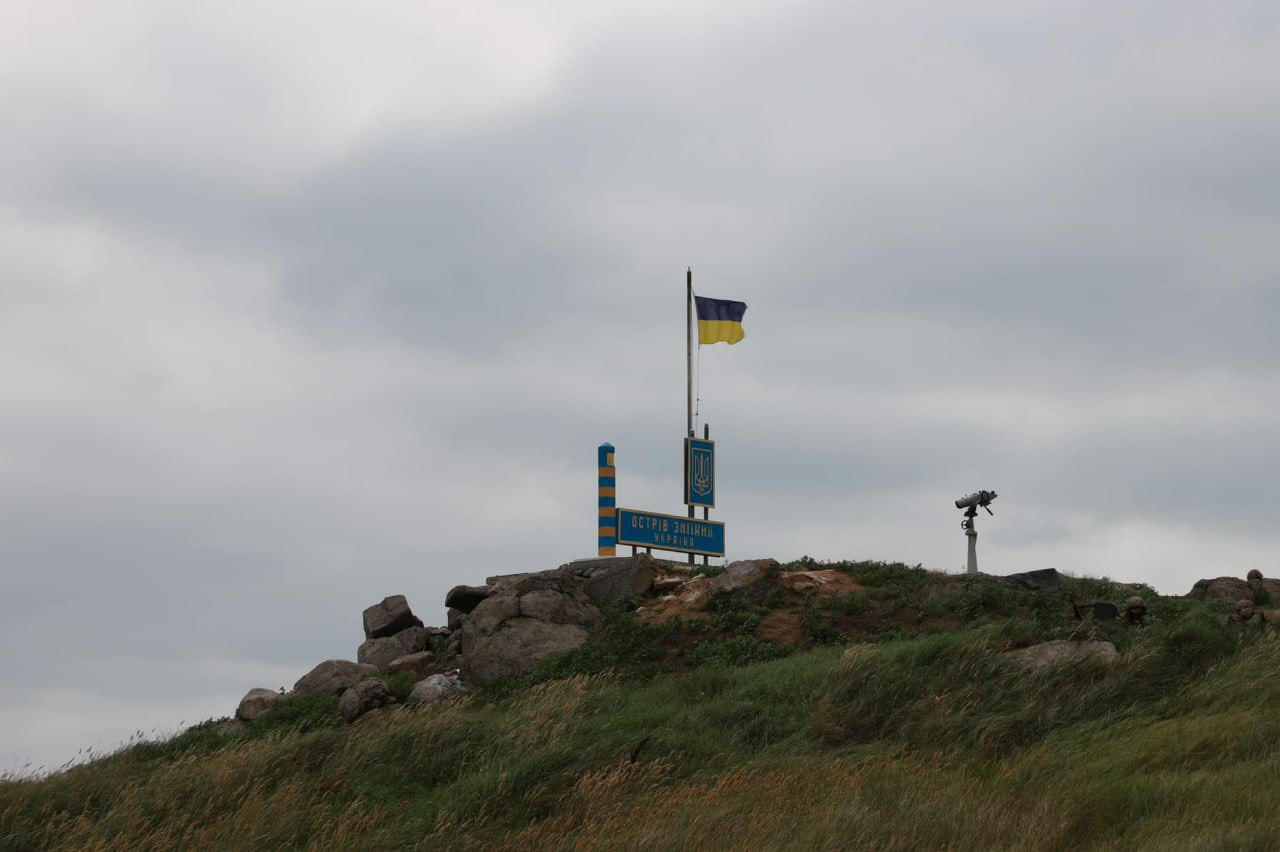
{"x": 720, "y": 320}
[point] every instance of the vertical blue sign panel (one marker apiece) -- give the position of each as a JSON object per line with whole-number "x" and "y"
{"x": 670, "y": 532}
{"x": 700, "y": 472}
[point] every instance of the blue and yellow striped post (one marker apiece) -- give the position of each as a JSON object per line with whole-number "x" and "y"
{"x": 608, "y": 487}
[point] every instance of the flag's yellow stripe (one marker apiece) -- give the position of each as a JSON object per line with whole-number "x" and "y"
{"x": 719, "y": 331}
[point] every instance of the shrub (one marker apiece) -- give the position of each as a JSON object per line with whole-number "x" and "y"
{"x": 815, "y": 628}
{"x": 735, "y": 651}
{"x": 734, "y": 615}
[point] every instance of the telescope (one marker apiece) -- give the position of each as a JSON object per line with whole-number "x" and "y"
{"x": 977, "y": 498}
{"x": 970, "y": 504}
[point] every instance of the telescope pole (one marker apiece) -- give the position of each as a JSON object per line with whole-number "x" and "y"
{"x": 972, "y": 534}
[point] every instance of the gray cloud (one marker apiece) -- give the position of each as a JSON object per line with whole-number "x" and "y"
{"x": 303, "y": 310}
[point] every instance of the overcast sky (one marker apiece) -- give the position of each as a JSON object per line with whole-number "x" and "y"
{"x": 306, "y": 304}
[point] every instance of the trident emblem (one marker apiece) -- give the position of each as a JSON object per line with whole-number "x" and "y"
{"x": 701, "y": 473}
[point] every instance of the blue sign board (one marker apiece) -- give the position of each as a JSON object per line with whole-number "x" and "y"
{"x": 670, "y": 532}
{"x": 700, "y": 472}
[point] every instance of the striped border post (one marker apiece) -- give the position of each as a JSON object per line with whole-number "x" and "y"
{"x": 608, "y": 488}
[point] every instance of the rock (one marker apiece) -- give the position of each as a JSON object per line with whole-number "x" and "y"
{"x": 1221, "y": 588}
{"x": 456, "y": 619}
{"x": 614, "y": 579}
{"x": 466, "y": 598}
{"x": 1060, "y": 650}
{"x": 331, "y": 677}
{"x": 389, "y": 618}
{"x": 517, "y": 647}
{"x": 418, "y": 665}
{"x": 256, "y": 702}
{"x": 1045, "y": 579}
{"x": 749, "y": 580}
{"x": 436, "y": 688}
{"x": 809, "y": 582}
{"x": 523, "y": 622}
{"x": 362, "y": 697}
{"x": 557, "y": 608}
{"x": 506, "y": 578}
{"x": 694, "y": 593}
{"x": 1254, "y": 574}
{"x": 665, "y": 585}
{"x": 380, "y": 652}
{"x": 372, "y": 717}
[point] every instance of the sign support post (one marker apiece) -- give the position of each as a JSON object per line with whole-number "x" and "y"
{"x": 607, "y": 498}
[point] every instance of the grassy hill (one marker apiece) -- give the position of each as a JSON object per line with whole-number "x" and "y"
{"x": 893, "y": 722}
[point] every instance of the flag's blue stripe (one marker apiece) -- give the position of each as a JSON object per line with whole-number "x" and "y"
{"x": 720, "y": 309}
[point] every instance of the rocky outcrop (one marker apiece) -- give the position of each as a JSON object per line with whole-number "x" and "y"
{"x": 613, "y": 580}
{"x": 389, "y": 618}
{"x": 466, "y": 598}
{"x": 749, "y": 580}
{"x": 1047, "y": 579}
{"x": 523, "y": 622}
{"x": 362, "y": 697}
{"x": 694, "y": 593}
{"x": 380, "y": 652}
{"x": 812, "y": 582}
{"x": 435, "y": 689}
{"x": 1221, "y": 588}
{"x": 332, "y": 677}
{"x": 417, "y": 666}
{"x": 256, "y": 702}
{"x": 1060, "y": 650}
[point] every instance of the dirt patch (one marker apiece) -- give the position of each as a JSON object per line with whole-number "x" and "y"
{"x": 819, "y": 583}
{"x": 781, "y": 627}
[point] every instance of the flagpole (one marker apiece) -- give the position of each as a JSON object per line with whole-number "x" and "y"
{"x": 688, "y": 343}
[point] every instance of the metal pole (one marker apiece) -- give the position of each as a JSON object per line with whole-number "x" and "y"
{"x": 972, "y": 535}
{"x": 706, "y": 510}
{"x": 688, "y": 345}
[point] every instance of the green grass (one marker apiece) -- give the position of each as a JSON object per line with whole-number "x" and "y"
{"x": 922, "y": 742}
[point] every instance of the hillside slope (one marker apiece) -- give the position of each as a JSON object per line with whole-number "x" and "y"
{"x": 678, "y": 733}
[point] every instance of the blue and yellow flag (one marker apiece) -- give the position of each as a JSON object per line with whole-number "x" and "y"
{"x": 720, "y": 320}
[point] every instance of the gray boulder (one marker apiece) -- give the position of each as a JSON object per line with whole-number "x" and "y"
{"x": 466, "y": 598}
{"x": 614, "y": 579}
{"x": 1222, "y": 588}
{"x": 331, "y": 677}
{"x": 362, "y": 697}
{"x": 524, "y": 622}
{"x": 256, "y": 702}
{"x": 417, "y": 665}
{"x": 1045, "y": 579}
{"x": 748, "y": 580}
{"x": 455, "y": 619}
{"x": 389, "y": 618}
{"x": 380, "y": 652}
{"x": 1060, "y": 650}
{"x": 436, "y": 688}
